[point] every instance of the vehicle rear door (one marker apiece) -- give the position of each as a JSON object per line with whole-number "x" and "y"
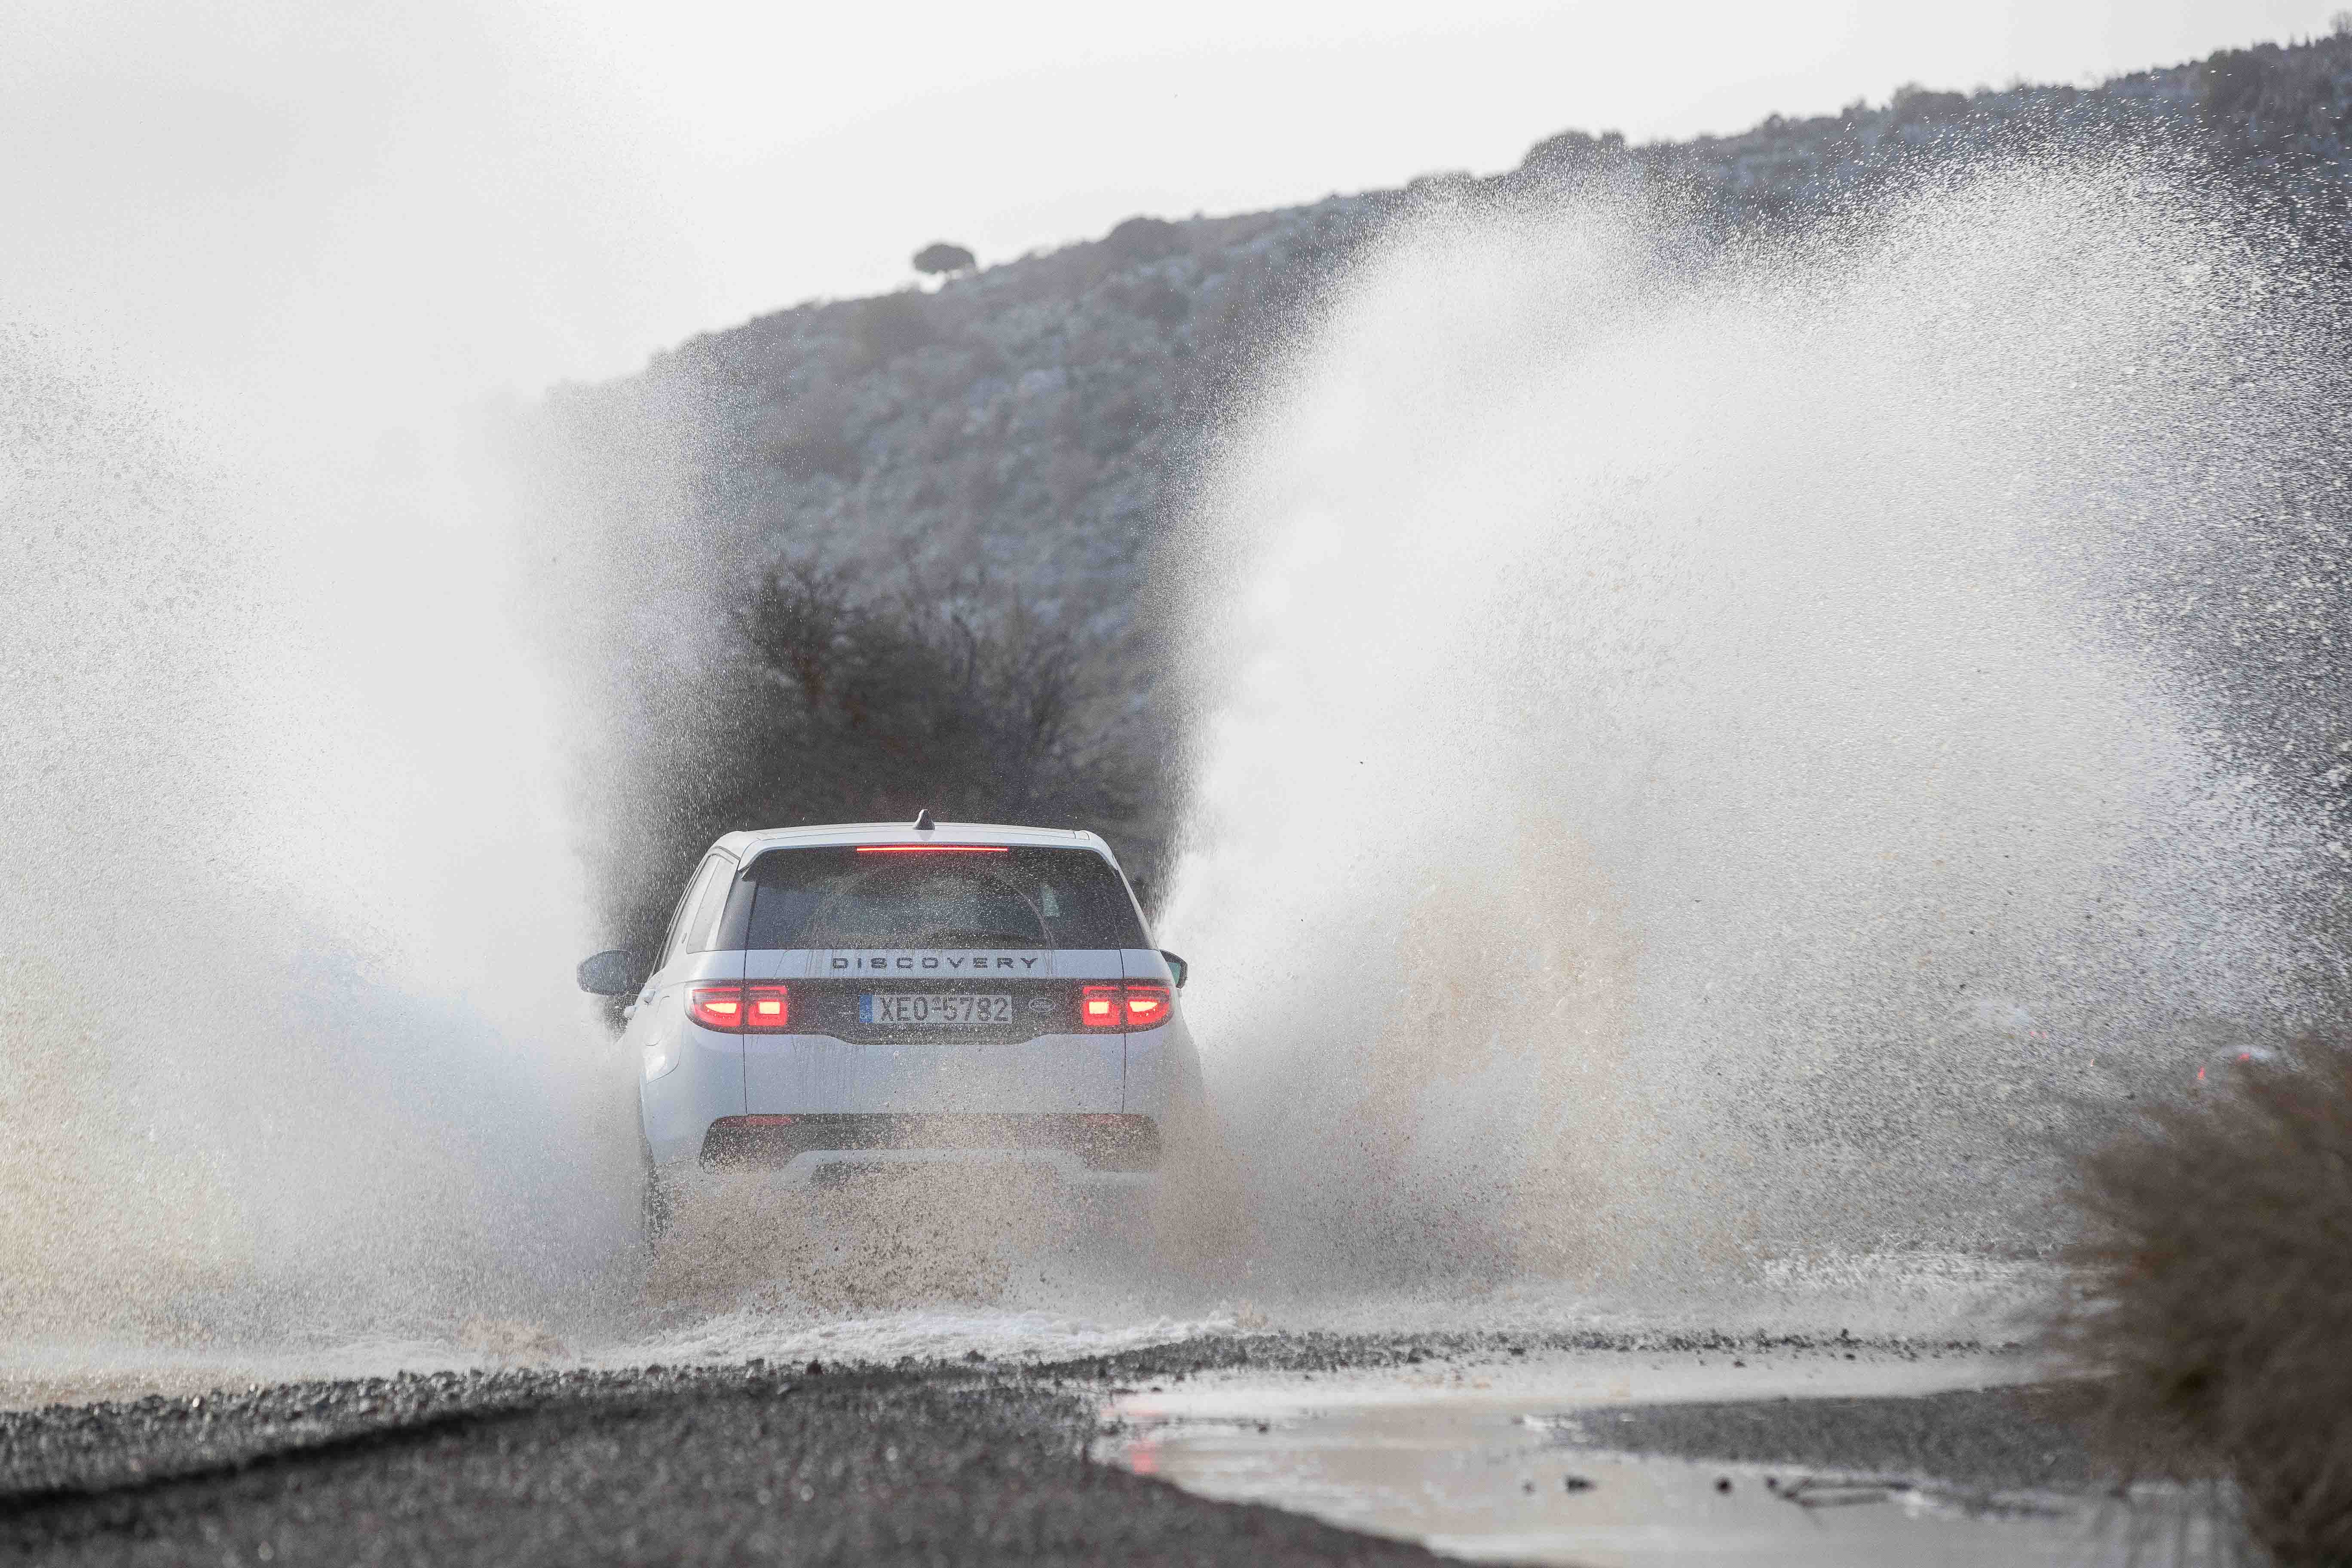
{"x": 914, "y": 1026}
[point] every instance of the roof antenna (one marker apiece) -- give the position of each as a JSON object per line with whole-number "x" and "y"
{"x": 923, "y": 823}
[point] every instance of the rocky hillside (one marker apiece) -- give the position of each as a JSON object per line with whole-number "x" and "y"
{"x": 1028, "y": 432}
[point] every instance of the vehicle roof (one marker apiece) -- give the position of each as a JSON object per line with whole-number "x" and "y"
{"x": 744, "y": 844}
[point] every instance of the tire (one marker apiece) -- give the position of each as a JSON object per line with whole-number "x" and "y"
{"x": 654, "y": 1203}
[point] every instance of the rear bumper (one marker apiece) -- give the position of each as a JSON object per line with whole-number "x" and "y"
{"x": 1090, "y": 1149}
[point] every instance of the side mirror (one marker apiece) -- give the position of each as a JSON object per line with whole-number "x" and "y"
{"x": 613, "y": 973}
{"x": 1177, "y": 967}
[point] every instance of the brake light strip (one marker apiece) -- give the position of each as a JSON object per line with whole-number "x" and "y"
{"x": 934, "y": 850}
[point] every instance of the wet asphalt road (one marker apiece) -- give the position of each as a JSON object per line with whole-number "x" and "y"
{"x": 930, "y": 1464}
{"x": 644, "y": 1468}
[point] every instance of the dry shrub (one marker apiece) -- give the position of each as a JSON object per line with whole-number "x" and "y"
{"x": 2215, "y": 1292}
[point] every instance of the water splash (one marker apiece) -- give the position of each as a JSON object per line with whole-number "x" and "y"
{"x": 287, "y": 910}
{"x": 1687, "y": 787}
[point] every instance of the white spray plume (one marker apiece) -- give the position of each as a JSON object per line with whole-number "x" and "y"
{"x": 1678, "y": 791}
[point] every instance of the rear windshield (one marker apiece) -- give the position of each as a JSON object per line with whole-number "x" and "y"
{"x": 841, "y": 895}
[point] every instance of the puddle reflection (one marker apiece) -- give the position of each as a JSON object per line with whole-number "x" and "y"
{"x": 1499, "y": 1484}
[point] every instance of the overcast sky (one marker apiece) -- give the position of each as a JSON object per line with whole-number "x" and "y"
{"x": 436, "y": 199}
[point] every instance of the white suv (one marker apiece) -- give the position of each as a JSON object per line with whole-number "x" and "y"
{"x": 880, "y": 993}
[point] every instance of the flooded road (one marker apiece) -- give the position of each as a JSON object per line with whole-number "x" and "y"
{"x": 1513, "y": 1462}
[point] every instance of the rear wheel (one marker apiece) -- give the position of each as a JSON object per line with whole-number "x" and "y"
{"x": 655, "y": 1202}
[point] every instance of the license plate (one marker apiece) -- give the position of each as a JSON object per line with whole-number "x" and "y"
{"x": 933, "y": 1009}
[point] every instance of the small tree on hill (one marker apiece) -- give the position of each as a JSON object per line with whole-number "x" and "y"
{"x": 941, "y": 259}
{"x": 1144, "y": 239}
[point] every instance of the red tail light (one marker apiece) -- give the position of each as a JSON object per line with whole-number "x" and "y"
{"x": 715, "y": 1007}
{"x": 737, "y": 1009}
{"x": 1138, "y": 1004}
{"x": 767, "y": 1009}
{"x": 1146, "y": 1005}
{"x": 1100, "y": 1007}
